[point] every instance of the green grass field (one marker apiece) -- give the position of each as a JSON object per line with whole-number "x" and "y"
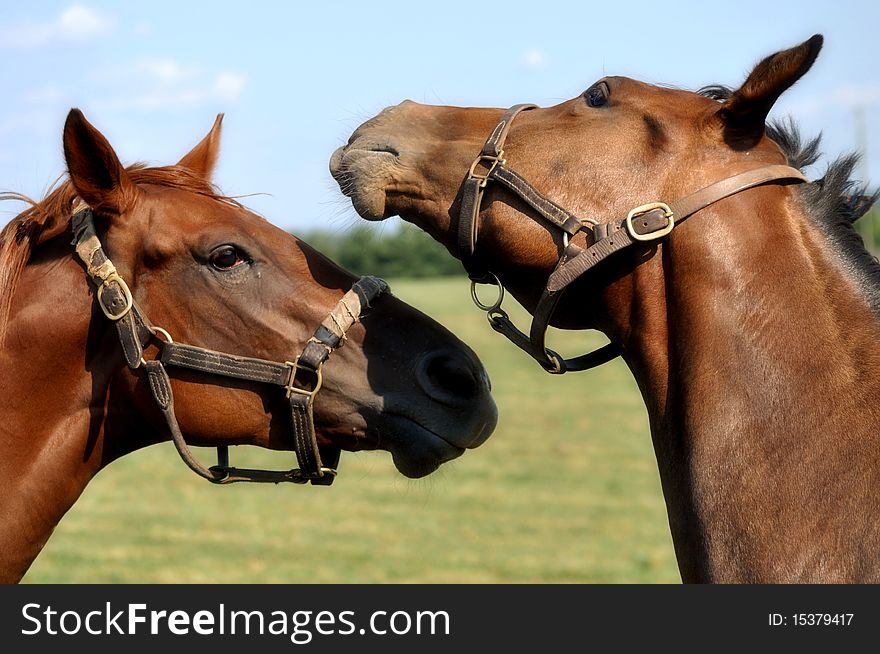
{"x": 562, "y": 492}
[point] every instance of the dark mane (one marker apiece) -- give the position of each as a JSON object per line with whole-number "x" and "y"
{"x": 834, "y": 202}
{"x": 49, "y": 217}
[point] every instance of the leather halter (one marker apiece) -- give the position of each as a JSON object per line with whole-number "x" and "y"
{"x": 647, "y": 222}
{"x": 300, "y": 379}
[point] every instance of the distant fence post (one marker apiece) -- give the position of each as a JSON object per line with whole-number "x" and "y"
{"x": 867, "y": 225}
{"x": 868, "y": 230}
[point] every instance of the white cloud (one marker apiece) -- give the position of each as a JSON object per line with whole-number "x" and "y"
{"x": 166, "y": 71}
{"x": 160, "y": 84}
{"x": 229, "y": 85}
{"x": 80, "y": 23}
{"x": 534, "y": 58}
{"x": 76, "y": 24}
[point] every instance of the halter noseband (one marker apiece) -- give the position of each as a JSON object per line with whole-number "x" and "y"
{"x": 300, "y": 379}
{"x": 647, "y": 222}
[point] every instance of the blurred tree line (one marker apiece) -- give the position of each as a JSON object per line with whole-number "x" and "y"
{"x": 403, "y": 251}
{"x": 869, "y": 227}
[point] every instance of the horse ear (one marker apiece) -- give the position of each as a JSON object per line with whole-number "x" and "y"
{"x": 95, "y": 171}
{"x": 744, "y": 114}
{"x": 202, "y": 158}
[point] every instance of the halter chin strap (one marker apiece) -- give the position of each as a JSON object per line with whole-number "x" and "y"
{"x": 300, "y": 379}
{"x": 647, "y": 222}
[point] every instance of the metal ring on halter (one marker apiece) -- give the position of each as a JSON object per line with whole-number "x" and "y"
{"x": 165, "y": 334}
{"x": 166, "y": 338}
{"x": 494, "y": 305}
{"x": 491, "y": 163}
{"x": 496, "y": 314}
{"x": 556, "y": 359}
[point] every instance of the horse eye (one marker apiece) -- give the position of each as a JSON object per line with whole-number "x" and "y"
{"x": 226, "y": 257}
{"x": 597, "y": 95}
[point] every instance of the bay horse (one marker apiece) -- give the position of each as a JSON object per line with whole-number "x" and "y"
{"x": 751, "y": 328}
{"x": 86, "y": 378}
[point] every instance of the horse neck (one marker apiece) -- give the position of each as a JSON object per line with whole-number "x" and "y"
{"x": 57, "y": 369}
{"x": 757, "y": 357}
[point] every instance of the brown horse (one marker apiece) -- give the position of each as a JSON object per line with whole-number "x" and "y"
{"x": 752, "y": 329}
{"x": 211, "y": 274}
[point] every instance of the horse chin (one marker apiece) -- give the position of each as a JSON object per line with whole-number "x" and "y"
{"x": 416, "y": 450}
{"x": 362, "y": 175}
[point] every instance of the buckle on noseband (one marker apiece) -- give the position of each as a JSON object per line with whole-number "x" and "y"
{"x": 126, "y": 293}
{"x": 296, "y": 366}
{"x": 643, "y": 209}
{"x": 490, "y": 161}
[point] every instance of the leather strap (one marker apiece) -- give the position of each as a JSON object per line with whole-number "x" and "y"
{"x": 618, "y": 236}
{"x": 472, "y": 194}
{"x": 691, "y": 204}
{"x": 549, "y": 210}
{"x": 468, "y": 224}
{"x": 225, "y": 365}
{"x": 495, "y": 143}
{"x": 305, "y": 441}
{"x": 115, "y": 297}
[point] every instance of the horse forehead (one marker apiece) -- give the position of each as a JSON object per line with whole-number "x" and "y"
{"x": 172, "y": 220}
{"x": 179, "y": 210}
{"x": 658, "y": 96}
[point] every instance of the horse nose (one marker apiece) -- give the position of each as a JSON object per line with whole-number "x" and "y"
{"x": 377, "y": 122}
{"x": 395, "y": 108}
{"x": 452, "y": 378}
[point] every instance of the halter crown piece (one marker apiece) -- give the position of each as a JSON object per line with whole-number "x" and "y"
{"x": 298, "y": 381}
{"x": 647, "y": 222}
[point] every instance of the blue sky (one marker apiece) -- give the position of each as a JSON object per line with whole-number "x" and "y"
{"x": 295, "y": 80}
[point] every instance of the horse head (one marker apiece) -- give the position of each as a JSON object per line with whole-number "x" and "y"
{"x": 198, "y": 267}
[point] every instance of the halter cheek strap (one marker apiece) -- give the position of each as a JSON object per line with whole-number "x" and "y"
{"x": 647, "y": 222}
{"x": 300, "y": 379}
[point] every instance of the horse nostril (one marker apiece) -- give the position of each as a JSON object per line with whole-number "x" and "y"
{"x": 450, "y": 377}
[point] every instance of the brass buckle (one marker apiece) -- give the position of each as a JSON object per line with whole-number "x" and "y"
{"x": 645, "y": 208}
{"x": 126, "y": 292}
{"x": 289, "y": 386}
{"x": 488, "y": 307}
{"x": 492, "y": 163}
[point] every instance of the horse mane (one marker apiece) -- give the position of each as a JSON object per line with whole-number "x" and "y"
{"x": 834, "y": 202}
{"x": 42, "y": 218}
